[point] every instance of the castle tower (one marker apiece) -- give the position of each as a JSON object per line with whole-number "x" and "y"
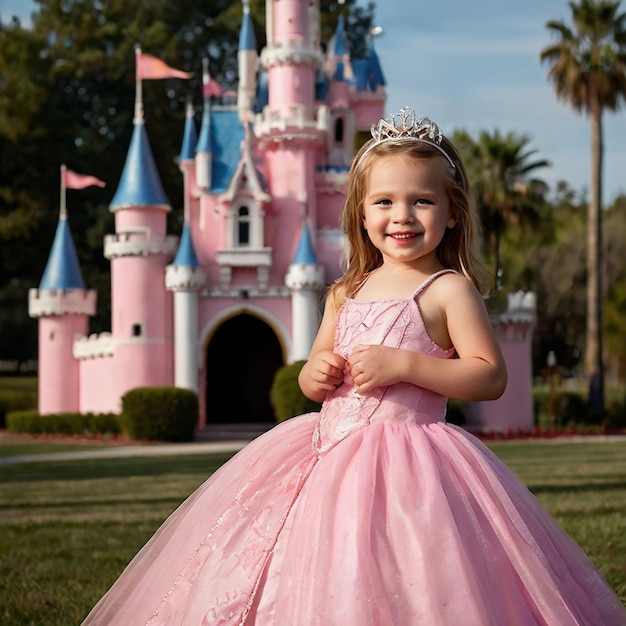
{"x": 291, "y": 130}
{"x": 305, "y": 278}
{"x": 139, "y": 251}
{"x": 185, "y": 277}
{"x": 63, "y": 306}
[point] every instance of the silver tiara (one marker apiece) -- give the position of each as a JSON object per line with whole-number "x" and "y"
{"x": 406, "y": 126}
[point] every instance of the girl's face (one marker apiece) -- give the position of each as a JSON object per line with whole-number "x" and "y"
{"x": 406, "y": 209}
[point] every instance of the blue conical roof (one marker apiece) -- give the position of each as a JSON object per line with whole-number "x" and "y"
{"x": 62, "y": 269}
{"x": 227, "y": 133}
{"x": 247, "y": 40}
{"x": 305, "y": 255}
{"x": 186, "y": 255}
{"x": 140, "y": 184}
{"x": 339, "y": 45}
{"x": 190, "y": 137}
{"x": 376, "y": 76}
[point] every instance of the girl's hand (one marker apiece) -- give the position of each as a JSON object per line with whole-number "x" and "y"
{"x": 322, "y": 373}
{"x": 374, "y": 366}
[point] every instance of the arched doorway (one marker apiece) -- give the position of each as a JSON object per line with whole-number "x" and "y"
{"x": 241, "y": 360}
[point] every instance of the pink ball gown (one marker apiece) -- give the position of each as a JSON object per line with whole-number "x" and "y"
{"x": 374, "y": 512}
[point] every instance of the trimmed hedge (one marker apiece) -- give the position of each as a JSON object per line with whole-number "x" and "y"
{"x": 159, "y": 414}
{"x": 286, "y": 396}
{"x": 30, "y": 422}
{"x": 11, "y": 400}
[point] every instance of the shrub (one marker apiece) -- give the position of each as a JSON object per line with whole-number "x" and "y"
{"x": 11, "y": 400}
{"x": 24, "y": 422}
{"x": 160, "y": 414}
{"x": 572, "y": 408}
{"x": 32, "y": 423}
{"x": 455, "y": 414}
{"x": 286, "y": 396}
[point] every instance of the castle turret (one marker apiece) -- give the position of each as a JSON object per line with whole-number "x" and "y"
{"x": 203, "y": 148}
{"x": 186, "y": 278}
{"x": 305, "y": 277}
{"x": 139, "y": 251}
{"x": 292, "y": 128}
{"x": 63, "y": 307}
{"x": 248, "y": 66}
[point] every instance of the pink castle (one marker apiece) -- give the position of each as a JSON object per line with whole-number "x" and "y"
{"x": 219, "y": 309}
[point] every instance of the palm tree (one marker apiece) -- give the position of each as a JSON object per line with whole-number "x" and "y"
{"x": 500, "y": 168}
{"x": 588, "y": 71}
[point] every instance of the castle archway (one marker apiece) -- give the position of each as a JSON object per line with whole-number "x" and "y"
{"x": 241, "y": 360}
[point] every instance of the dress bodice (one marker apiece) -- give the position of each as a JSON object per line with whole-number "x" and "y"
{"x": 396, "y": 323}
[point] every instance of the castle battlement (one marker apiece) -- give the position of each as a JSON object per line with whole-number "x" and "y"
{"x": 294, "y": 50}
{"x": 291, "y": 122}
{"x": 94, "y": 346}
{"x": 139, "y": 243}
{"x": 61, "y": 302}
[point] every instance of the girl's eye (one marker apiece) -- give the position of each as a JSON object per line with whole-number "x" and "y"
{"x": 422, "y": 201}
{"x": 384, "y": 202}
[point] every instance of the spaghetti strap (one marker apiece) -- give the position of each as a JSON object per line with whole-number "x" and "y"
{"x": 431, "y": 279}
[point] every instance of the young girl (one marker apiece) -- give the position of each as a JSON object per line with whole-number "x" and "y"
{"x": 375, "y": 512}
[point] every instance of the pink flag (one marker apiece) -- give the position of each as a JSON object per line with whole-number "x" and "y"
{"x": 151, "y": 68}
{"x": 72, "y": 180}
{"x": 212, "y": 88}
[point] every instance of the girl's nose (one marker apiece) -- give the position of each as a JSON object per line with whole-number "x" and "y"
{"x": 402, "y": 213}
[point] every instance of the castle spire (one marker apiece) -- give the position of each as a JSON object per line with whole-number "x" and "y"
{"x": 62, "y": 269}
{"x": 248, "y": 65}
{"x": 190, "y": 135}
{"x": 203, "y": 147}
{"x": 140, "y": 184}
{"x": 305, "y": 277}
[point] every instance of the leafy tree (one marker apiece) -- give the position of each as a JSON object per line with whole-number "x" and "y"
{"x": 500, "y": 167}
{"x": 67, "y": 88}
{"x": 549, "y": 260}
{"x": 588, "y": 71}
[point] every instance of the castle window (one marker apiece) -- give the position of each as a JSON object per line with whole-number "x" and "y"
{"x": 136, "y": 330}
{"x": 243, "y": 226}
{"x": 339, "y": 130}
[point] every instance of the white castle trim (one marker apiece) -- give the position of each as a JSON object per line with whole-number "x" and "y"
{"x": 94, "y": 346}
{"x": 184, "y": 278}
{"x": 247, "y": 292}
{"x": 129, "y": 243}
{"x": 294, "y": 51}
{"x": 521, "y": 308}
{"x": 304, "y": 276}
{"x": 43, "y": 302}
{"x": 293, "y": 123}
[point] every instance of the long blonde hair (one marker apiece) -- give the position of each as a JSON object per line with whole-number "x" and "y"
{"x": 460, "y": 247}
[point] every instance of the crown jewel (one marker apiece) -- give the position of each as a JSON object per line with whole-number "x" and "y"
{"x": 406, "y": 126}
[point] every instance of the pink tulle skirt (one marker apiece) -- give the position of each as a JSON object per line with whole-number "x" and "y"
{"x": 398, "y": 524}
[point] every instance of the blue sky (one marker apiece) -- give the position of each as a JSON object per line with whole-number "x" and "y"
{"x": 475, "y": 65}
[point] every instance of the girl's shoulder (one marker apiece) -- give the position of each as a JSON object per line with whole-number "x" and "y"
{"x": 449, "y": 286}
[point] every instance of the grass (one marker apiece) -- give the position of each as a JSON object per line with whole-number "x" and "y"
{"x": 67, "y": 529}
{"x": 22, "y": 446}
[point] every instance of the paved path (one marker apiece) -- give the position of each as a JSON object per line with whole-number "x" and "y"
{"x": 209, "y": 447}
{"x": 115, "y": 452}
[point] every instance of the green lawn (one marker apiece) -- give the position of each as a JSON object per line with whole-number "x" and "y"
{"x": 68, "y": 528}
